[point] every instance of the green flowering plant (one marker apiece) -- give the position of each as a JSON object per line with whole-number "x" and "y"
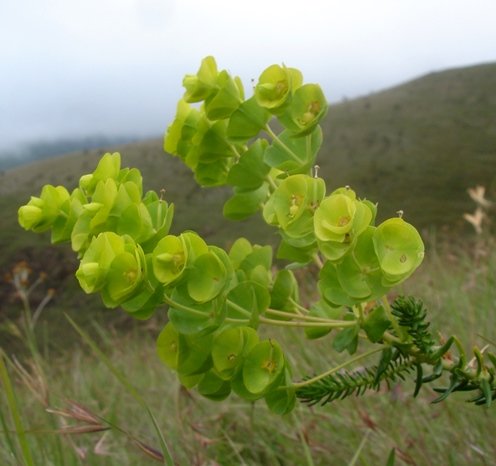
{"x": 219, "y": 299}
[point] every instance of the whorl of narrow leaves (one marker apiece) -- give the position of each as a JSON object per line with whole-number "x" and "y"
{"x": 412, "y": 314}
{"x": 354, "y": 382}
{"x": 478, "y": 375}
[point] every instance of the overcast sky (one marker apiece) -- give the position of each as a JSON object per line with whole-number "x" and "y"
{"x": 86, "y": 67}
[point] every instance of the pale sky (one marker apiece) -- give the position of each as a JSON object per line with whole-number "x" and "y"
{"x": 114, "y": 67}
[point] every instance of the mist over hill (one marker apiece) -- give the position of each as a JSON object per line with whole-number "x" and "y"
{"x": 43, "y": 149}
{"x": 416, "y": 147}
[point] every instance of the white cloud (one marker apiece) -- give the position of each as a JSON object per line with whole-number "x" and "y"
{"x": 128, "y": 56}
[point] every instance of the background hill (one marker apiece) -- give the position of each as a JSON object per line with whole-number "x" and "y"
{"x": 415, "y": 147}
{"x": 418, "y": 146}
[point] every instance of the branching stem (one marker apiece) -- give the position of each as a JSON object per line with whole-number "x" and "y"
{"x": 339, "y": 367}
{"x": 394, "y": 322}
{"x": 328, "y": 324}
{"x": 276, "y": 138}
{"x": 289, "y": 315}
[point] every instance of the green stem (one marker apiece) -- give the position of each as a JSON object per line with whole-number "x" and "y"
{"x": 318, "y": 261}
{"x": 276, "y": 138}
{"x": 328, "y": 324}
{"x": 182, "y": 307}
{"x": 339, "y": 367}
{"x": 289, "y": 315}
{"x": 298, "y": 306}
{"x": 308, "y": 146}
{"x": 390, "y": 338}
{"x": 393, "y": 320}
{"x": 271, "y": 182}
{"x": 233, "y": 147}
{"x": 359, "y": 312}
{"x": 236, "y": 321}
{"x": 238, "y": 308}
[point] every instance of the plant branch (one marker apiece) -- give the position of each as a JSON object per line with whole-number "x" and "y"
{"x": 339, "y": 367}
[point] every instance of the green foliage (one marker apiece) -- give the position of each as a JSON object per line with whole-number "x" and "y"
{"x": 356, "y": 382}
{"x": 218, "y": 299}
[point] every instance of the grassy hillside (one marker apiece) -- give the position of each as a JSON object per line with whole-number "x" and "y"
{"x": 418, "y": 146}
{"x": 415, "y": 147}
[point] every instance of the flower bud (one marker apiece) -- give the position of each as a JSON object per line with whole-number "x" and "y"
{"x": 40, "y": 213}
{"x": 200, "y": 86}
{"x": 307, "y": 109}
{"x": 29, "y": 216}
{"x": 275, "y": 86}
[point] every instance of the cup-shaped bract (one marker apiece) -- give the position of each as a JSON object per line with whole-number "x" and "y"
{"x": 331, "y": 289}
{"x": 194, "y": 354}
{"x": 276, "y": 85}
{"x": 191, "y": 317}
{"x": 213, "y": 387}
{"x": 339, "y": 220}
{"x": 353, "y": 279}
{"x": 225, "y": 99}
{"x": 251, "y": 262}
{"x": 229, "y": 348}
{"x": 249, "y": 298}
{"x": 169, "y": 259}
{"x": 179, "y": 136}
{"x": 211, "y": 155}
{"x": 108, "y": 167}
{"x": 292, "y": 205}
{"x": 247, "y": 121}
{"x": 168, "y": 345}
{"x": 161, "y": 214}
{"x": 308, "y": 107}
{"x": 101, "y": 203}
{"x": 200, "y": 86}
{"x": 285, "y": 292}
{"x": 262, "y": 366}
{"x": 40, "y": 213}
{"x": 333, "y": 219}
{"x": 282, "y": 399}
{"x": 125, "y": 274}
{"x": 399, "y": 249}
{"x": 209, "y": 274}
{"x": 172, "y": 253}
{"x": 96, "y": 261}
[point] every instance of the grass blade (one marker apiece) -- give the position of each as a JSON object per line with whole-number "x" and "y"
{"x": 359, "y": 449}
{"x": 128, "y": 386}
{"x": 14, "y": 411}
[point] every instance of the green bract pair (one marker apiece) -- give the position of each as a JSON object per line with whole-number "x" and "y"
{"x": 47, "y": 212}
{"x": 298, "y": 106}
{"x": 378, "y": 259}
{"x": 221, "y": 93}
{"x": 232, "y": 359}
{"x": 113, "y": 265}
{"x": 292, "y": 206}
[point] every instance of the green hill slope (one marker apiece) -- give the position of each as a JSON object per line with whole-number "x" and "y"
{"x": 415, "y": 147}
{"x": 418, "y": 146}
